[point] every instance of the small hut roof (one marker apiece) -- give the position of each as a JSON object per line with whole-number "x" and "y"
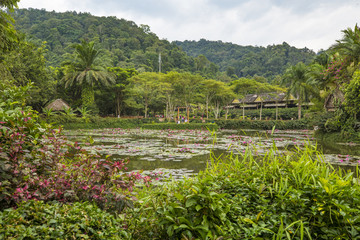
{"x": 330, "y": 101}
{"x": 58, "y": 105}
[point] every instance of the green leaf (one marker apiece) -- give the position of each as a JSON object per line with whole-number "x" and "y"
{"x": 52, "y": 221}
{"x": 170, "y": 230}
{"x": 190, "y": 202}
{"x": 179, "y": 196}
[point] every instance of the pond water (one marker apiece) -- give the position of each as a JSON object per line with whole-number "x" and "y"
{"x": 186, "y": 152}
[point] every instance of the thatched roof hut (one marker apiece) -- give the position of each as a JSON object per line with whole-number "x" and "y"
{"x": 58, "y": 105}
{"x": 334, "y": 100}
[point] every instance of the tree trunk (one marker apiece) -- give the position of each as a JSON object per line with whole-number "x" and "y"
{"x": 299, "y": 110}
{"x": 260, "y": 110}
{"x": 216, "y": 110}
{"x": 118, "y": 105}
{"x": 146, "y": 109}
{"x": 167, "y": 111}
{"x": 243, "y": 111}
{"x": 207, "y": 109}
{"x": 87, "y": 95}
{"x": 227, "y": 112}
{"x": 277, "y": 111}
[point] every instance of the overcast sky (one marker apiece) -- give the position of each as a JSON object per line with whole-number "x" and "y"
{"x": 314, "y": 24}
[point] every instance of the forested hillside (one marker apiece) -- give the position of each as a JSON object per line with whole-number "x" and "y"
{"x": 123, "y": 42}
{"x": 126, "y": 44}
{"x": 248, "y": 60}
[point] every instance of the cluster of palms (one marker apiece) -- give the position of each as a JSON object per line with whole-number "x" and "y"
{"x": 329, "y": 74}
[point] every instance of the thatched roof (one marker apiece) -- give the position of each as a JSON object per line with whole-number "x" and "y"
{"x": 272, "y": 97}
{"x": 58, "y": 105}
{"x": 250, "y": 98}
{"x": 265, "y": 97}
{"x": 334, "y": 100}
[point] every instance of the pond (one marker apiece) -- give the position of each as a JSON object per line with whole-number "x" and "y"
{"x": 186, "y": 152}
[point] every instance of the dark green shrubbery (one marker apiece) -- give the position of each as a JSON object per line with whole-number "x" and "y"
{"x": 96, "y": 122}
{"x": 38, "y": 220}
{"x": 175, "y": 126}
{"x": 267, "y": 113}
{"x": 265, "y": 125}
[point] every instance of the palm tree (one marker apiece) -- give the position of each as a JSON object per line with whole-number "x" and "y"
{"x": 86, "y": 72}
{"x": 349, "y": 45}
{"x": 296, "y": 80}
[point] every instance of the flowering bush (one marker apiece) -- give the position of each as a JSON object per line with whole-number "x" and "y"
{"x": 36, "y": 162}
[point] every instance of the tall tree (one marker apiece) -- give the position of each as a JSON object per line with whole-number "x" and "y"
{"x": 8, "y": 34}
{"x": 169, "y": 92}
{"x": 223, "y": 97}
{"x": 145, "y": 88}
{"x": 121, "y": 82}
{"x": 86, "y": 71}
{"x": 210, "y": 88}
{"x": 187, "y": 88}
{"x": 24, "y": 63}
{"x": 295, "y": 79}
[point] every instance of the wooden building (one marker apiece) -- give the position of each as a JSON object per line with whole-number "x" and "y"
{"x": 265, "y": 100}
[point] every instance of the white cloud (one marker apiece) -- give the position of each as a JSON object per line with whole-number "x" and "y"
{"x": 312, "y": 24}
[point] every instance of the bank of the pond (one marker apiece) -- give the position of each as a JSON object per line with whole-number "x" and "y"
{"x": 336, "y": 137}
{"x": 154, "y": 123}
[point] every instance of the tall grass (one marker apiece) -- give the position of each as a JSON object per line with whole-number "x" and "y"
{"x": 280, "y": 195}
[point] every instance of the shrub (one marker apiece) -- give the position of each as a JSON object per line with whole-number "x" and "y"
{"x": 293, "y": 196}
{"x": 36, "y": 162}
{"x": 267, "y": 113}
{"x": 265, "y": 125}
{"x": 175, "y": 126}
{"x": 39, "y": 220}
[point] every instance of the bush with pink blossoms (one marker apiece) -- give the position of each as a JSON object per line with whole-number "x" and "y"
{"x": 37, "y": 163}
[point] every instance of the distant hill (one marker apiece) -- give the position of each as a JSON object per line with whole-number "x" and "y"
{"x": 248, "y": 60}
{"x": 125, "y": 44}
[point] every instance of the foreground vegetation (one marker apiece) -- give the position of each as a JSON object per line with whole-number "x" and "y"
{"x": 50, "y": 189}
{"x": 292, "y": 196}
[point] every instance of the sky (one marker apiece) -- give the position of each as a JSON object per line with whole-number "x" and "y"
{"x": 315, "y": 24}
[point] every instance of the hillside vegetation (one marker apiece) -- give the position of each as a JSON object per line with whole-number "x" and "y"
{"x": 247, "y": 61}
{"x": 125, "y": 43}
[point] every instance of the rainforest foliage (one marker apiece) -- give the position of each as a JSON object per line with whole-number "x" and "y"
{"x": 244, "y": 61}
{"x": 123, "y": 42}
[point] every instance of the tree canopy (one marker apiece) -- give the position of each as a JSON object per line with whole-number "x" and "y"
{"x": 245, "y": 61}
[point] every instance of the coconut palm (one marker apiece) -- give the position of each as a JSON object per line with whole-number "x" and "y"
{"x": 296, "y": 80}
{"x": 86, "y": 71}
